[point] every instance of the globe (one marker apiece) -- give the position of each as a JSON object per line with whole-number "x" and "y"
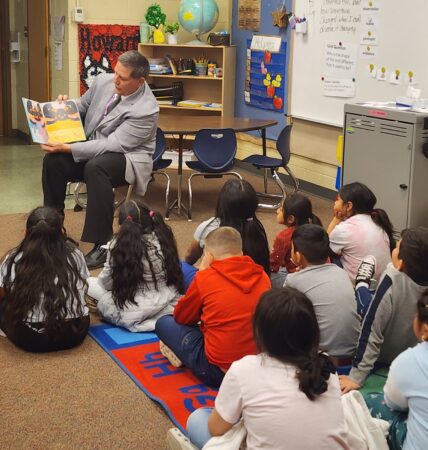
{"x": 198, "y": 16}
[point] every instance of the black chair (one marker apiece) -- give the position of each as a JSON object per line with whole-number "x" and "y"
{"x": 273, "y": 164}
{"x": 215, "y": 150}
{"x": 159, "y": 164}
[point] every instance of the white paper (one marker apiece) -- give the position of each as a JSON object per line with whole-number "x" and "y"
{"x": 58, "y": 28}
{"x": 261, "y": 43}
{"x": 368, "y": 52}
{"x": 371, "y": 6}
{"x": 369, "y": 37}
{"x": 370, "y": 21}
{"x": 340, "y": 59}
{"x": 338, "y": 87}
{"x": 382, "y": 74}
{"x": 395, "y": 77}
{"x": 58, "y": 55}
{"x": 371, "y": 70}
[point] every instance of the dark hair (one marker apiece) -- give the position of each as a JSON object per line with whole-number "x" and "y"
{"x": 363, "y": 202}
{"x": 300, "y": 207}
{"x": 236, "y": 207}
{"x": 422, "y": 308}
{"x": 137, "y": 62}
{"x": 313, "y": 242}
{"x": 285, "y": 327}
{"x": 414, "y": 253}
{"x": 130, "y": 254}
{"x": 43, "y": 266}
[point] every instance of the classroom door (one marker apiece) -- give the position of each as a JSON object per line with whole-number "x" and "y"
{"x": 5, "y": 94}
{"x": 38, "y": 50}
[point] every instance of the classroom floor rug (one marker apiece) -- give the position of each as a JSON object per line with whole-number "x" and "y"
{"x": 177, "y": 390}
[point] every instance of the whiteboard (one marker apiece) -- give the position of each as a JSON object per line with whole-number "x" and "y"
{"x": 399, "y": 31}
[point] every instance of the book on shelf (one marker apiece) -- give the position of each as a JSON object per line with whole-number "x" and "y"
{"x": 171, "y": 64}
{"x": 164, "y": 102}
{"x": 213, "y": 105}
{"x": 54, "y": 121}
{"x": 192, "y": 103}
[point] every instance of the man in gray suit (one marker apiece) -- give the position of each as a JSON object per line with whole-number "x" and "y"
{"x": 120, "y": 115}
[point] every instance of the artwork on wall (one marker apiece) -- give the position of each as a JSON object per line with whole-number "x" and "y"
{"x": 99, "y": 48}
{"x": 249, "y": 15}
{"x": 265, "y": 73}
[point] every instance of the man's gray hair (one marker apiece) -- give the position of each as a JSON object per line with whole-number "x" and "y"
{"x": 137, "y": 62}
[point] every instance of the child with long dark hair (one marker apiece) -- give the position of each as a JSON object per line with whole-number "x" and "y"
{"x": 236, "y": 207}
{"x": 288, "y": 395}
{"x": 42, "y": 287}
{"x": 296, "y": 210}
{"x": 359, "y": 229}
{"x": 141, "y": 280}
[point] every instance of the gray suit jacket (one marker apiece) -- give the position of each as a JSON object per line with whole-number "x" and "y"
{"x": 130, "y": 128}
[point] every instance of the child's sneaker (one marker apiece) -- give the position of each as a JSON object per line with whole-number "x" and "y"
{"x": 366, "y": 271}
{"x": 175, "y": 440}
{"x": 170, "y": 355}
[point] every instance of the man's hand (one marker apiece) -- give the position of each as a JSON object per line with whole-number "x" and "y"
{"x": 56, "y": 147}
{"x": 207, "y": 259}
{"x": 347, "y": 385}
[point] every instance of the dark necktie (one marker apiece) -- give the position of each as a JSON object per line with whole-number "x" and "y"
{"x": 112, "y": 103}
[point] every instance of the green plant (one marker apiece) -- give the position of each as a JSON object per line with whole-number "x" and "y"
{"x": 172, "y": 28}
{"x": 154, "y": 16}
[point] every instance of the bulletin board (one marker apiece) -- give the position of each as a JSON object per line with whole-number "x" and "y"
{"x": 265, "y": 78}
{"x": 356, "y": 51}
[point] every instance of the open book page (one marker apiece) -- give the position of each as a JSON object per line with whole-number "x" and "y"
{"x": 63, "y": 122}
{"x": 36, "y": 121}
{"x": 54, "y": 121}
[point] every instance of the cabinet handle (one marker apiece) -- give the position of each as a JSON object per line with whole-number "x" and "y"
{"x": 403, "y": 186}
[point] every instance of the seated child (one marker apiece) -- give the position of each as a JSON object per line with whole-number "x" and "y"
{"x": 296, "y": 210}
{"x": 288, "y": 395}
{"x": 406, "y": 388}
{"x": 387, "y": 327}
{"x": 236, "y": 207}
{"x": 141, "y": 279}
{"x": 42, "y": 287}
{"x": 329, "y": 289}
{"x": 223, "y": 297}
{"x": 357, "y": 230}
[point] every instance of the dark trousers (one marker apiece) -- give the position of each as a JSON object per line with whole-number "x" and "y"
{"x": 71, "y": 334}
{"x": 101, "y": 174}
{"x": 187, "y": 342}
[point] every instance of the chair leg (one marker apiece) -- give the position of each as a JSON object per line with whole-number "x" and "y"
{"x": 129, "y": 193}
{"x": 77, "y": 193}
{"x": 293, "y": 178}
{"x": 189, "y": 184}
{"x": 168, "y": 183}
{"x": 265, "y": 180}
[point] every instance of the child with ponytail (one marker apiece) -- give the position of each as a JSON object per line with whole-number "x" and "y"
{"x": 296, "y": 210}
{"x": 359, "y": 229}
{"x": 42, "y": 287}
{"x": 141, "y": 280}
{"x": 288, "y": 395}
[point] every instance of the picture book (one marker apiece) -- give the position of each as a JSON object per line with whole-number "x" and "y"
{"x": 54, "y": 121}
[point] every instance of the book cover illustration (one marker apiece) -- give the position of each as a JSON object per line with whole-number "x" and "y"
{"x": 54, "y": 121}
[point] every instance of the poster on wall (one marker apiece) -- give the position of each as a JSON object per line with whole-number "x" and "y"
{"x": 249, "y": 15}
{"x": 99, "y": 48}
{"x": 266, "y": 68}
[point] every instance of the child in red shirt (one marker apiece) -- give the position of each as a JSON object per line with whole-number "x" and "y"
{"x": 296, "y": 210}
{"x": 223, "y": 297}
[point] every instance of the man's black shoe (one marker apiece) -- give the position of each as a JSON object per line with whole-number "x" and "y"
{"x": 96, "y": 257}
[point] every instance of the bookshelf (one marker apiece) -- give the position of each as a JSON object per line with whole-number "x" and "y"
{"x": 219, "y": 90}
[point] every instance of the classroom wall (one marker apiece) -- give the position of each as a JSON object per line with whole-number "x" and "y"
{"x": 19, "y": 71}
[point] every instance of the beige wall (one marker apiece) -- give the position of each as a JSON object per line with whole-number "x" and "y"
{"x": 19, "y": 71}
{"x": 126, "y": 12}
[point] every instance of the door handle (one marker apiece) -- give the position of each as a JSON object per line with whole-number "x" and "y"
{"x": 403, "y": 186}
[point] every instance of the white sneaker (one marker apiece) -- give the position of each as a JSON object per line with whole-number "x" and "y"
{"x": 170, "y": 355}
{"x": 175, "y": 440}
{"x": 2, "y": 333}
{"x": 366, "y": 270}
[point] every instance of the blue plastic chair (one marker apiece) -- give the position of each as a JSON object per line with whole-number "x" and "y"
{"x": 215, "y": 150}
{"x": 273, "y": 164}
{"x": 159, "y": 164}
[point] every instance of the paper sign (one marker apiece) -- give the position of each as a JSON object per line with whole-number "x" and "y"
{"x": 371, "y": 6}
{"x": 368, "y": 52}
{"x": 382, "y": 74}
{"x": 369, "y": 37}
{"x": 395, "y": 76}
{"x": 372, "y": 70}
{"x": 338, "y": 87}
{"x": 262, "y": 42}
{"x": 370, "y": 21}
{"x": 340, "y": 59}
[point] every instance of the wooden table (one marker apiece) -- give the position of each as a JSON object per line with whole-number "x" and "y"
{"x": 182, "y": 125}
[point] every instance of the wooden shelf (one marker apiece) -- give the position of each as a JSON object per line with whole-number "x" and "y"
{"x": 186, "y": 77}
{"x": 207, "y": 89}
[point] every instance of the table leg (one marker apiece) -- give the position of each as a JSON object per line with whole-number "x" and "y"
{"x": 177, "y": 203}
